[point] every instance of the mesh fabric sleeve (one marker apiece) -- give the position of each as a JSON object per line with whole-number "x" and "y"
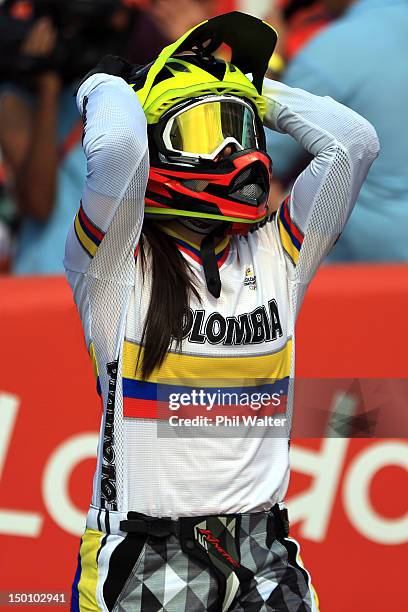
{"x": 100, "y": 250}
{"x": 105, "y": 231}
{"x": 343, "y": 145}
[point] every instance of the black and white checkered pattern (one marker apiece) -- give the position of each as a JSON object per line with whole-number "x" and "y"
{"x": 154, "y": 574}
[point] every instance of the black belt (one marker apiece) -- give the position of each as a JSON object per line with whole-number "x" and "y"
{"x": 277, "y": 519}
{"x": 149, "y": 525}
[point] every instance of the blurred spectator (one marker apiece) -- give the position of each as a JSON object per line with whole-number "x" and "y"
{"x": 40, "y": 128}
{"x": 40, "y": 136}
{"x": 360, "y": 60}
{"x": 163, "y": 23}
{"x": 305, "y": 19}
{"x": 297, "y": 21}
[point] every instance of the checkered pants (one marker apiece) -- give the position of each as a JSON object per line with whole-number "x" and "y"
{"x": 130, "y": 573}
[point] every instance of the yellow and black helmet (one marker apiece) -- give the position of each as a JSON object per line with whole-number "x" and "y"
{"x": 196, "y": 103}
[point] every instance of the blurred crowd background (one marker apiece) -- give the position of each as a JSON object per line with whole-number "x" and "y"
{"x": 353, "y": 50}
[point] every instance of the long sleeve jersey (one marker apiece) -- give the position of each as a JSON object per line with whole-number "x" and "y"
{"x": 242, "y": 341}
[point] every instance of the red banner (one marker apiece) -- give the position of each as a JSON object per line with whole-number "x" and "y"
{"x": 348, "y": 498}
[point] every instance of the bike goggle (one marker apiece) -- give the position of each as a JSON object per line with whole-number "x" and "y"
{"x": 204, "y": 128}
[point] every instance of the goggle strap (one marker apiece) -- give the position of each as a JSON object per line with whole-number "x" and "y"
{"x": 230, "y": 140}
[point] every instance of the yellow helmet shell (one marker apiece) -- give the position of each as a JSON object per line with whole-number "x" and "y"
{"x": 251, "y": 41}
{"x": 190, "y": 81}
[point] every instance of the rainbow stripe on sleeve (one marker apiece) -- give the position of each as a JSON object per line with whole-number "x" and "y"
{"x": 291, "y": 236}
{"x": 88, "y": 234}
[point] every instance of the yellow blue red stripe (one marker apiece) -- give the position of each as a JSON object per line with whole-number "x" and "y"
{"x": 151, "y": 400}
{"x": 88, "y": 234}
{"x": 291, "y": 236}
{"x": 180, "y": 373}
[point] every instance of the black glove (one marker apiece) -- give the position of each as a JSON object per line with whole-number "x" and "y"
{"x": 110, "y": 64}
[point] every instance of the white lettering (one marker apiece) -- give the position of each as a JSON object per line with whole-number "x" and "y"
{"x": 356, "y": 491}
{"x": 56, "y": 480}
{"x": 314, "y": 506}
{"x": 14, "y": 522}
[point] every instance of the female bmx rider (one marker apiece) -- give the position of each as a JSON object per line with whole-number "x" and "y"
{"x": 184, "y": 285}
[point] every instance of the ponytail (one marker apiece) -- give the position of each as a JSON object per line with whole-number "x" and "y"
{"x": 172, "y": 285}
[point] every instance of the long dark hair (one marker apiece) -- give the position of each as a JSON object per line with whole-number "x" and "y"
{"x": 173, "y": 282}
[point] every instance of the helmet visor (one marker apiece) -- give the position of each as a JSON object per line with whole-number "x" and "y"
{"x": 206, "y": 127}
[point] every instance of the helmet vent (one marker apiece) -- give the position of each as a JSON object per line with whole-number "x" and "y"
{"x": 252, "y": 191}
{"x": 163, "y": 75}
{"x": 243, "y": 177}
{"x": 251, "y": 184}
{"x": 178, "y": 67}
{"x": 196, "y": 184}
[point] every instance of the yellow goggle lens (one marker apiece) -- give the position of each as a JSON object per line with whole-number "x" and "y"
{"x": 204, "y": 128}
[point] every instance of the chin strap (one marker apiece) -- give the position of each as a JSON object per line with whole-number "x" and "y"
{"x": 209, "y": 259}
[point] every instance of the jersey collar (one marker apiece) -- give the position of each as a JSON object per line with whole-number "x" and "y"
{"x": 192, "y": 249}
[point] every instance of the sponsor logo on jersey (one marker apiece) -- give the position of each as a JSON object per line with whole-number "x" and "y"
{"x": 261, "y": 325}
{"x": 250, "y": 278}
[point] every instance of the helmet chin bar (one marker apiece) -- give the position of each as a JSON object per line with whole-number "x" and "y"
{"x": 233, "y": 189}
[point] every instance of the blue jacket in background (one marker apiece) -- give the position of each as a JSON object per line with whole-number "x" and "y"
{"x": 361, "y": 60}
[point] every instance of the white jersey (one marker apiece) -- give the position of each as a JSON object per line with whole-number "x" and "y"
{"x": 243, "y": 341}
